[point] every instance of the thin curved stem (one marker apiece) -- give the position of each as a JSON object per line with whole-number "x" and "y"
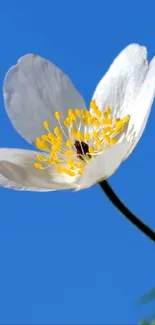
{"x": 125, "y": 211}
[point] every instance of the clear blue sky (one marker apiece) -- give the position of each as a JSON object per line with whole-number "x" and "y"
{"x": 66, "y": 257}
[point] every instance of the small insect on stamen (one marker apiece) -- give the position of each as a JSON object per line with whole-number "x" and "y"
{"x": 82, "y": 148}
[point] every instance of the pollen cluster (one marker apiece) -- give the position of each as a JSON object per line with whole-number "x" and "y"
{"x": 76, "y": 140}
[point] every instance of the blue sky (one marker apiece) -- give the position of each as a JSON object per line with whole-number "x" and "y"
{"x": 69, "y": 258}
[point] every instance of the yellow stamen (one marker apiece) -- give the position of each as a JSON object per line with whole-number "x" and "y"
{"x": 57, "y": 115}
{"x": 73, "y": 132}
{"x": 90, "y": 120}
{"x": 70, "y": 112}
{"x": 86, "y": 136}
{"x": 41, "y": 144}
{"x": 57, "y": 131}
{"x": 108, "y": 110}
{"x": 70, "y": 172}
{"x": 57, "y": 162}
{"x": 70, "y": 162}
{"x": 79, "y": 135}
{"x": 113, "y": 141}
{"x": 98, "y": 143}
{"x": 111, "y": 131}
{"x": 52, "y": 158}
{"x": 67, "y": 122}
{"x": 38, "y": 166}
{"x": 95, "y": 134}
{"x": 84, "y": 120}
{"x": 126, "y": 119}
{"x": 81, "y": 172}
{"x": 69, "y": 143}
{"x": 98, "y": 113}
{"x": 45, "y": 137}
{"x": 41, "y": 157}
{"x": 68, "y": 153}
{"x": 79, "y": 165}
{"x": 53, "y": 155}
{"x": 57, "y": 146}
{"x": 93, "y": 105}
{"x": 59, "y": 140}
{"x": 91, "y": 150}
{"x": 46, "y": 125}
{"x": 78, "y": 112}
{"x": 107, "y": 121}
{"x": 84, "y": 113}
{"x": 51, "y": 136}
{"x": 119, "y": 126}
{"x": 54, "y": 142}
{"x": 96, "y": 122}
{"x": 71, "y": 115}
{"x": 106, "y": 138}
{"x": 88, "y": 114}
{"x": 60, "y": 170}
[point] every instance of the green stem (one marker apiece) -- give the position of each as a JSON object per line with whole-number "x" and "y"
{"x": 125, "y": 211}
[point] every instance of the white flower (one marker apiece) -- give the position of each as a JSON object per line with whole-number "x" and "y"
{"x": 80, "y": 147}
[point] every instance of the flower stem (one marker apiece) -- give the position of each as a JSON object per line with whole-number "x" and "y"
{"x": 125, "y": 211}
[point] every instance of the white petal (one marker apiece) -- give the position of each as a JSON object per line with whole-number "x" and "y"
{"x": 16, "y": 167}
{"x": 4, "y": 182}
{"x": 104, "y": 165}
{"x": 121, "y": 84}
{"x": 142, "y": 107}
{"x": 33, "y": 90}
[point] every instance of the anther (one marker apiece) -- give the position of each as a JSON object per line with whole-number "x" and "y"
{"x": 78, "y": 112}
{"x": 79, "y": 135}
{"x": 45, "y": 137}
{"x": 119, "y": 126}
{"x": 87, "y": 136}
{"x": 46, "y": 125}
{"x": 57, "y": 115}
{"x": 93, "y": 105}
{"x": 69, "y": 143}
{"x": 126, "y": 119}
{"x": 68, "y": 153}
{"x": 91, "y": 150}
{"x": 113, "y": 141}
{"x": 98, "y": 143}
{"x": 38, "y": 166}
{"x": 57, "y": 131}
{"x": 108, "y": 110}
{"x": 41, "y": 157}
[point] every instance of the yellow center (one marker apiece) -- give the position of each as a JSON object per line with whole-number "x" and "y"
{"x": 78, "y": 139}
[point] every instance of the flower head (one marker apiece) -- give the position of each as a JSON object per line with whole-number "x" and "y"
{"x": 77, "y": 147}
{"x": 79, "y": 139}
